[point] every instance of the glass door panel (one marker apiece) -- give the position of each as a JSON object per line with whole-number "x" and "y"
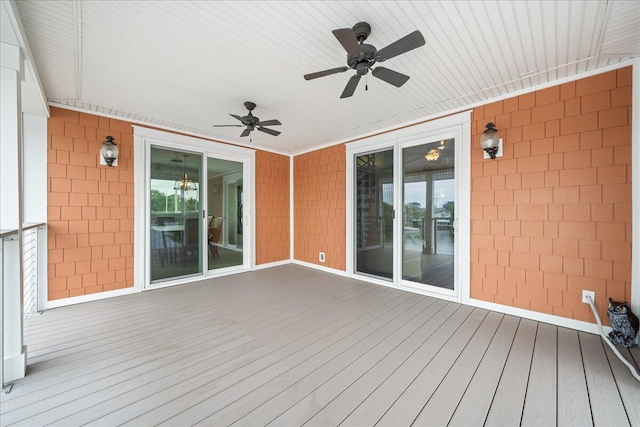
{"x": 175, "y": 214}
{"x": 374, "y": 214}
{"x": 225, "y": 210}
{"x": 428, "y": 213}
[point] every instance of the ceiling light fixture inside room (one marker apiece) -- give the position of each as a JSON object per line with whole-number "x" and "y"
{"x": 185, "y": 184}
{"x": 432, "y": 155}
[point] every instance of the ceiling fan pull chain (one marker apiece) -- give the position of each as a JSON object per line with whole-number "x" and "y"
{"x": 366, "y": 82}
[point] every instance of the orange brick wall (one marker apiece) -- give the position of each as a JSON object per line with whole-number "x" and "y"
{"x": 272, "y": 207}
{"x": 320, "y": 206}
{"x": 553, "y": 216}
{"x": 90, "y": 207}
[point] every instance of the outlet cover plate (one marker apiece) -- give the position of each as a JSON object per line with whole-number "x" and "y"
{"x": 592, "y": 294}
{"x": 321, "y": 257}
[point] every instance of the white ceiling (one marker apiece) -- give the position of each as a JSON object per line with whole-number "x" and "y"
{"x": 186, "y": 65}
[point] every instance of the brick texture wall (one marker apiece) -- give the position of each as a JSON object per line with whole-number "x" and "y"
{"x": 320, "y": 206}
{"x": 272, "y": 207}
{"x": 553, "y": 216}
{"x": 90, "y": 207}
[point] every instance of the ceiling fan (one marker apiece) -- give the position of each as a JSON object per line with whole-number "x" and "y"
{"x": 252, "y": 122}
{"x": 361, "y": 57}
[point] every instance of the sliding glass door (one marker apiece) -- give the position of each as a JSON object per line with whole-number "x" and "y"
{"x": 194, "y": 218}
{"x": 428, "y": 213}
{"x": 374, "y": 213}
{"x": 175, "y": 231}
{"x": 427, "y": 189}
{"x": 408, "y": 198}
{"x": 226, "y": 213}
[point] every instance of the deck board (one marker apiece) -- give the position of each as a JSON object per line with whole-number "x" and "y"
{"x": 223, "y": 362}
{"x": 408, "y": 405}
{"x": 217, "y": 375}
{"x": 295, "y": 346}
{"x": 387, "y": 334}
{"x": 508, "y": 401}
{"x": 338, "y": 397}
{"x": 474, "y": 405}
{"x": 190, "y": 333}
{"x": 540, "y": 404}
{"x": 601, "y": 384}
{"x": 573, "y": 397}
{"x": 361, "y": 332}
{"x": 440, "y": 407}
{"x": 384, "y": 395}
{"x": 628, "y": 386}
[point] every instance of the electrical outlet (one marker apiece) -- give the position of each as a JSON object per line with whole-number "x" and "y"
{"x": 321, "y": 256}
{"x": 592, "y": 294}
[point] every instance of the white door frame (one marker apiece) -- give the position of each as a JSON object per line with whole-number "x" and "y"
{"x": 143, "y": 139}
{"x": 457, "y": 126}
{"x": 228, "y": 179}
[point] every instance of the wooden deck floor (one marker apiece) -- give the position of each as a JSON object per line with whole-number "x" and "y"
{"x": 294, "y": 346}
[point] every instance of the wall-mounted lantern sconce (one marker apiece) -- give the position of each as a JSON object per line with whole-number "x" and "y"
{"x": 491, "y": 142}
{"x": 109, "y": 152}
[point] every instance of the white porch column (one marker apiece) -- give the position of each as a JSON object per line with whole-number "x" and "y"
{"x": 14, "y": 352}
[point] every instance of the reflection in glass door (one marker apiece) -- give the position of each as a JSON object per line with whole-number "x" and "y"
{"x": 374, "y": 213}
{"x": 175, "y": 233}
{"x": 225, "y": 210}
{"x": 429, "y": 213}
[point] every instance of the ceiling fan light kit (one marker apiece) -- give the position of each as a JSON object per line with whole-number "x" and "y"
{"x": 362, "y": 57}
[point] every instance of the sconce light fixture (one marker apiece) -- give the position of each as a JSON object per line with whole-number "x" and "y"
{"x": 491, "y": 142}
{"x": 184, "y": 183}
{"x": 109, "y": 152}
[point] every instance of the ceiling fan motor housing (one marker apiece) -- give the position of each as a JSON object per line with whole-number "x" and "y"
{"x": 250, "y": 120}
{"x": 366, "y": 58}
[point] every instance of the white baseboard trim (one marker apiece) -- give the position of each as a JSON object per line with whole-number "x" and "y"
{"x": 91, "y": 297}
{"x": 271, "y": 264}
{"x": 540, "y": 317}
{"x": 321, "y": 268}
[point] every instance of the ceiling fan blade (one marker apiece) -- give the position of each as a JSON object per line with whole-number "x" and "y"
{"x": 227, "y": 126}
{"x": 325, "y": 73}
{"x": 351, "y": 86}
{"x": 245, "y": 132}
{"x": 269, "y": 131}
{"x": 273, "y": 122}
{"x": 405, "y": 44}
{"x": 348, "y": 40}
{"x": 236, "y": 117}
{"x": 392, "y": 77}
